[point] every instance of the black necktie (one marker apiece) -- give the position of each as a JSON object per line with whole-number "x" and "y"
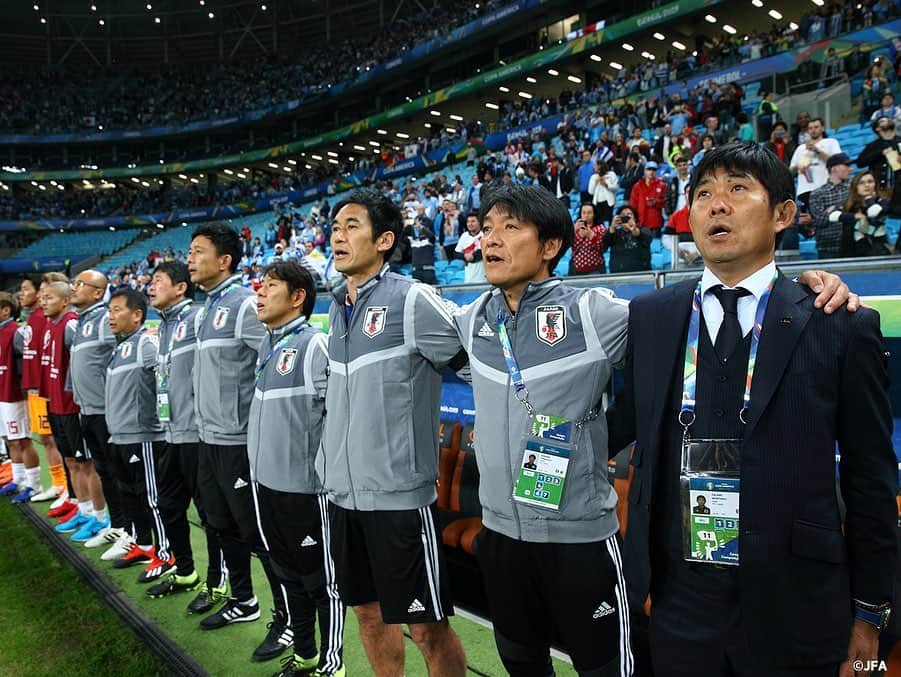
{"x": 730, "y": 330}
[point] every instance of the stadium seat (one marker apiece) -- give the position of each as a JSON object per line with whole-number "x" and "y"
{"x": 449, "y": 442}
{"x": 464, "y": 496}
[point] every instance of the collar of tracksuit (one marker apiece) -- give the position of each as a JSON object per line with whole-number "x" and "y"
{"x": 122, "y": 338}
{"x": 277, "y": 332}
{"x": 90, "y": 309}
{"x": 533, "y": 293}
{"x": 340, "y": 293}
{"x": 174, "y": 309}
{"x": 232, "y": 279}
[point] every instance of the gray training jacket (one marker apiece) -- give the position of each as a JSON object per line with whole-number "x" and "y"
{"x": 131, "y": 390}
{"x": 177, "y": 329}
{"x": 380, "y": 438}
{"x": 91, "y": 342}
{"x": 228, "y": 341}
{"x": 566, "y": 342}
{"x": 288, "y": 405}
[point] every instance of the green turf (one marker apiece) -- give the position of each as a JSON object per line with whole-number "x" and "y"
{"x": 54, "y": 623}
{"x": 227, "y": 651}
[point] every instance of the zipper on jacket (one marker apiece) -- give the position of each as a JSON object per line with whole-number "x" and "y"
{"x": 347, "y": 323}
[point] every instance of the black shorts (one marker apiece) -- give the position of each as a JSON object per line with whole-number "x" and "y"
{"x": 575, "y": 591}
{"x": 392, "y": 557}
{"x": 295, "y": 531}
{"x": 66, "y": 429}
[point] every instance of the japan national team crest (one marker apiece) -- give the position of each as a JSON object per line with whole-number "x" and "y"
{"x": 374, "y": 323}
{"x": 550, "y": 324}
{"x": 221, "y": 317}
{"x": 87, "y": 329}
{"x": 181, "y": 330}
{"x": 286, "y": 360}
{"x": 125, "y": 351}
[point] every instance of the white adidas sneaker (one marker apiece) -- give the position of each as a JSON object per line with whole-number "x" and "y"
{"x": 62, "y": 498}
{"x": 100, "y": 538}
{"x": 120, "y": 548}
{"x": 50, "y": 494}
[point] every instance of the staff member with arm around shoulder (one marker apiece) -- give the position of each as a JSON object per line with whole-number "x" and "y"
{"x": 283, "y": 438}
{"x": 772, "y": 583}
{"x": 389, "y": 338}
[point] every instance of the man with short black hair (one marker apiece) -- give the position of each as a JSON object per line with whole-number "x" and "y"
{"x": 283, "y": 439}
{"x": 228, "y": 340}
{"x": 830, "y": 199}
{"x": 171, "y": 293}
{"x": 381, "y": 453}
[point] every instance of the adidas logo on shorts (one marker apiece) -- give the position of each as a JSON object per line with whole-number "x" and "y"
{"x": 134, "y": 459}
{"x": 486, "y": 330}
{"x": 307, "y": 542}
{"x": 415, "y": 607}
{"x": 603, "y": 610}
{"x": 240, "y": 483}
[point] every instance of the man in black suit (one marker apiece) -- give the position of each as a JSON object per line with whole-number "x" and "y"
{"x": 801, "y": 597}
{"x": 561, "y": 181}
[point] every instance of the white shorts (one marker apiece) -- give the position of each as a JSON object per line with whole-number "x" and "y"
{"x": 14, "y": 420}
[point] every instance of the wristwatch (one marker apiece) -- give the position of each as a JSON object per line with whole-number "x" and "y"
{"x": 876, "y": 615}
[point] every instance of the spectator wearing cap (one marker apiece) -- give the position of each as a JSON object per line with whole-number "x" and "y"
{"x": 648, "y": 197}
{"x": 278, "y": 254}
{"x": 882, "y": 156}
{"x": 826, "y": 201}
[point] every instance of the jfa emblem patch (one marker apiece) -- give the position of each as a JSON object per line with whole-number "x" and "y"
{"x": 221, "y": 317}
{"x": 374, "y": 324}
{"x": 286, "y": 360}
{"x": 550, "y": 324}
{"x": 87, "y": 329}
{"x": 181, "y": 330}
{"x": 125, "y": 351}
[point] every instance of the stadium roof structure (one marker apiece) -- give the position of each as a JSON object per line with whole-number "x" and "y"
{"x": 103, "y": 33}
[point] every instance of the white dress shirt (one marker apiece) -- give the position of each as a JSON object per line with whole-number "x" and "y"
{"x": 747, "y": 305}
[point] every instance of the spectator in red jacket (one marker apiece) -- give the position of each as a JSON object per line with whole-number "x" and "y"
{"x": 648, "y": 196}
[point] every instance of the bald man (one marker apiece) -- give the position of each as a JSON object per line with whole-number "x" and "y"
{"x": 92, "y": 342}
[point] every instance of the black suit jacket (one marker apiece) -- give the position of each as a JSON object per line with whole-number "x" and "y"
{"x": 820, "y": 379}
{"x": 565, "y": 178}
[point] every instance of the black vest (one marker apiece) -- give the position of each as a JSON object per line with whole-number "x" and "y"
{"x": 718, "y": 400}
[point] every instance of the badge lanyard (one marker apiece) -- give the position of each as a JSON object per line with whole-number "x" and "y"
{"x": 167, "y": 362}
{"x": 519, "y": 386}
{"x": 261, "y": 364}
{"x": 690, "y": 370}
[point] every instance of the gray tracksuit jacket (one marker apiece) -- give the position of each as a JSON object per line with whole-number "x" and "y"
{"x": 566, "y": 342}
{"x": 91, "y": 343}
{"x": 175, "y": 362}
{"x": 228, "y": 341}
{"x": 288, "y": 406}
{"x": 380, "y": 438}
{"x": 131, "y": 390}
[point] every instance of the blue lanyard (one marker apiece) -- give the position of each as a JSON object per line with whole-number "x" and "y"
{"x": 213, "y": 300}
{"x": 519, "y": 386}
{"x": 167, "y": 365}
{"x": 261, "y": 364}
{"x": 690, "y": 370}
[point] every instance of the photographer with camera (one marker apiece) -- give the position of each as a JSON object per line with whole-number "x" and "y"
{"x": 629, "y": 242}
{"x": 588, "y": 243}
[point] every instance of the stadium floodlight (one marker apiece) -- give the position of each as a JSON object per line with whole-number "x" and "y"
{"x": 309, "y": 166}
{"x": 102, "y": 22}
{"x": 36, "y": 7}
{"x": 729, "y": 29}
{"x": 156, "y": 20}
{"x": 383, "y": 132}
{"x": 149, "y": 7}
{"x": 525, "y": 95}
{"x": 53, "y": 183}
{"x": 183, "y": 177}
{"x": 628, "y": 47}
{"x": 287, "y": 169}
{"x": 93, "y": 8}
{"x": 503, "y": 89}
{"x": 333, "y": 161}
{"x": 551, "y": 71}
{"x": 492, "y": 106}
{"x": 43, "y": 19}
{"x": 5, "y": 187}
{"x": 273, "y": 165}
{"x": 331, "y": 153}
{"x": 679, "y": 45}
{"x": 595, "y": 57}
{"x": 229, "y": 172}
{"x": 242, "y": 176}
{"x": 211, "y": 15}
{"x": 145, "y": 184}
{"x": 34, "y": 183}
{"x": 350, "y": 157}
{"x": 159, "y": 225}
{"x": 793, "y": 25}
{"x": 247, "y": 170}
{"x": 660, "y": 36}
{"x": 574, "y": 79}
{"x": 776, "y": 14}
{"x": 458, "y": 118}
{"x": 292, "y": 162}
{"x": 193, "y": 180}
{"x": 58, "y": 187}
{"x": 135, "y": 179}
{"x": 757, "y": 3}
{"x": 263, "y": 7}
{"x": 615, "y": 65}
{"x": 317, "y": 157}
{"x": 436, "y": 113}
{"x": 531, "y": 80}
{"x": 400, "y": 135}
{"x": 358, "y": 147}
{"x": 42, "y": 187}
{"x": 427, "y": 125}
{"x": 818, "y": 3}
{"x": 710, "y": 19}
{"x": 374, "y": 143}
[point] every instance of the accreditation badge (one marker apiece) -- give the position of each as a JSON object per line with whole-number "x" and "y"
{"x": 162, "y": 406}
{"x": 710, "y": 488}
{"x": 547, "y": 446}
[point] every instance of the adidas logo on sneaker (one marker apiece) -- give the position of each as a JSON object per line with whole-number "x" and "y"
{"x": 415, "y": 607}
{"x": 308, "y": 542}
{"x": 603, "y": 610}
{"x": 486, "y": 330}
{"x": 240, "y": 483}
{"x": 134, "y": 459}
